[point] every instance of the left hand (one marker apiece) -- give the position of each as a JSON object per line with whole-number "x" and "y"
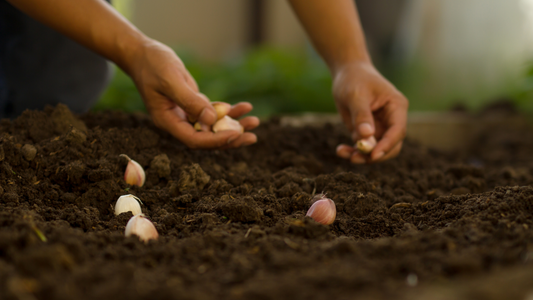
{"x": 370, "y": 105}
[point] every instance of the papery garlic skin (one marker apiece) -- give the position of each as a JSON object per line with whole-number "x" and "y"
{"x": 323, "y": 210}
{"x": 227, "y": 123}
{"x": 222, "y": 109}
{"x": 134, "y": 174}
{"x": 140, "y": 226}
{"x": 127, "y": 203}
{"x": 366, "y": 145}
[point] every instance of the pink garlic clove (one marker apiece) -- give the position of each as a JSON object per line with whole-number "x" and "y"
{"x": 366, "y": 145}
{"x": 134, "y": 174}
{"x": 227, "y": 123}
{"x": 323, "y": 210}
{"x": 140, "y": 226}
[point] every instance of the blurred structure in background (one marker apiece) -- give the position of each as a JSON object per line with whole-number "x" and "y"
{"x": 437, "y": 52}
{"x": 463, "y": 49}
{"x": 218, "y": 30}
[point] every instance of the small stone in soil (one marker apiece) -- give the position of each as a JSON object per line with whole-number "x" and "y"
{"x": 29, "y": 152}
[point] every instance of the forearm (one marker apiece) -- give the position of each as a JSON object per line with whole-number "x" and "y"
{"x": 92, "y": 23}
{"x": 334, "y": 29}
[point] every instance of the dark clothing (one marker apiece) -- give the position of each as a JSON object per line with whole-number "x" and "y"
{"x": 39, "y": 66}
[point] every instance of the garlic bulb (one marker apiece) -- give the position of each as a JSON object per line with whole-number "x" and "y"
{"x": 227, "y": 123}
{"x": 366, "y": 145}
{"x": 140, "y": 226}
{"x": 323, "y": 210}
{"x": 127, "y": 203}
{"x": 134, "y": 174}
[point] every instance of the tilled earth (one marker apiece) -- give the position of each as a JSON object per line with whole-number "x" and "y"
{"x": 232, "y": 225}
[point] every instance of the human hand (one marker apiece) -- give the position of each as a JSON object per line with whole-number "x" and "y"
{"x": 370, "y": 105}
{"x": 171, "y": 94}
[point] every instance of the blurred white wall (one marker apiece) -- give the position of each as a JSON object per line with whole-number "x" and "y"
{"x": 469, "y": 48}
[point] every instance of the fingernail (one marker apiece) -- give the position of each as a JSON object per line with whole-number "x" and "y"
{"x": 378, "y": 156}
{"x": 365, "y": 129}
{"x": 208, "y": 116}
{"x": 357, "y": 160}
{"x": 233, "y": 138}
{"x": 342, "y": 153}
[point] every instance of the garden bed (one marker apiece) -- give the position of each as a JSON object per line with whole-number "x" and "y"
{"x": 428, "y": 225}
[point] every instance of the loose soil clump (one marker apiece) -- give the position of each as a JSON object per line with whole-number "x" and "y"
{"x": 232, "y": 225}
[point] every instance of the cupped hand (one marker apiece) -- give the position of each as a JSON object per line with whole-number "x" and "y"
{"x": 370, "y": 105}
{"x": 171, "y": 94}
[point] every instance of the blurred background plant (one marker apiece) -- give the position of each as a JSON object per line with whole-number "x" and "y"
{"x": 439, "y": 53}
{"x": 275, "y": 81}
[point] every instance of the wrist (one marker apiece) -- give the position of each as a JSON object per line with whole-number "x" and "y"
{"x": 129, "y": 48}
{"x": 360, "y": 64}
{"x": 344, "y": 61}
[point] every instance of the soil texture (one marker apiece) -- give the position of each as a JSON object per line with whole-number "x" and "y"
{"x": 232, "y": 224}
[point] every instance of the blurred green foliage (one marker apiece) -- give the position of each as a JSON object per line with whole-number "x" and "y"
{"x": 274, "y": 81}
{"x": 524, "y": 95}
{"x": 281, "y": 82}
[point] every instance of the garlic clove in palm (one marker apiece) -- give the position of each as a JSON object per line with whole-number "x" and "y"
{"x": 127, "y": 203}
{"x": 134, "y": 174}
{"x": 323, "y": 210}
{"x": 366, "y": 145}
{"x": 140, "y": 226}
{"x": 227, "y": 123}
{"x": 222, "y": 109}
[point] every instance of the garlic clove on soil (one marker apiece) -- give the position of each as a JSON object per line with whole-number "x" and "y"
{"x": 227, "y": 123}
{"x": 134, "y": 174}
{"x": 366, "y": 145}
{"x": 323, "y": 210}
{"x": 140, "y": 226}
{"x": 127, "y": 203}
{"x": 222, "y": 109}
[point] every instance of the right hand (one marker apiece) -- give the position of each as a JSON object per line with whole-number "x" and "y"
{"x": 170, "y": 93}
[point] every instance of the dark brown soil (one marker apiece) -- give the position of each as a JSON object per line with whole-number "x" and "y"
{"x": 427, "y": 225}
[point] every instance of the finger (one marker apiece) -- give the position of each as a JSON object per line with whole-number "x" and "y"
{"x": 391, "y": 154}
{"x": 359, "y": 158}
{"x": 195, "y": 104}
{"x": 249, "y": 123}
{"x": 344, "y": 151}
{"x": 245, "y": 139}
{"x": 192, "y": 83}
{"x": 170, "y": 121}
{"x": 240, "y": 109}
{"x": 362, "y": 118}
{"x": 392, "y": 136}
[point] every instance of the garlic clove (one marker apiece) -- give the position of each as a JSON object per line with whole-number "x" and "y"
{"x": 127, "y": 203}
{"x": 366, "y": 145}
{"x": 134, "y": 174}
{"x": 201, "y": 127}
{"x": 140, "y": 226}
{"x": 222, "y": 109}
{"x": 323, "y": 210}
{"x": 227, "y": 123}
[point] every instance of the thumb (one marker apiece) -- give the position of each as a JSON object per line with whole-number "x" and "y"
{"x": 362, "y": 118}
{"x": 196, "y": 105}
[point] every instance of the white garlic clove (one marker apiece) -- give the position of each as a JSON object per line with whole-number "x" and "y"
{"x": 366, "y": 145}
{"x": 140, "y": 226}
{"x": 323, "y": 211}
{"x": 222, "y": 109}
{"x": 227, "y": 123}
{"x": 134, "y": 174}
{"x": 127, "y": 203}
